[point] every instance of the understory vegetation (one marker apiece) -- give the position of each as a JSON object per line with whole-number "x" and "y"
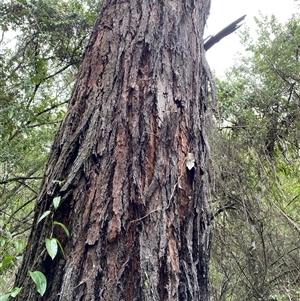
{"x": 254, "y": 141}
{"x": 255, "y": 252}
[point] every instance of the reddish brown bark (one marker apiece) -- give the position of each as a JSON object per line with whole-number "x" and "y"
{"x": 138, "y": 218}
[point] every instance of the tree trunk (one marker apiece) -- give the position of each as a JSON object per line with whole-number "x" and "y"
{"x": 138, "y": 217}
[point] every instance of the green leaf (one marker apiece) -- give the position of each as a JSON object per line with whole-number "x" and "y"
{"x": 6, "y": 261}
{"x": 40, "y": 281}
{"x": 10, "y": 114}
{"x": 19, "y": 258}
{"x": 63, "y": 226}
{"x": 5, "y": 297}
{"x": 8, "y": 235}
{"x": 19, "y": 246}
{"x": 46, "y": 213}
{"x": 15, "y": 291}
{"x": 2, "y": 241}
{"x": 56, "y": 202}
{"x": 60, "y": 183}
{"x": 51, "y": 246}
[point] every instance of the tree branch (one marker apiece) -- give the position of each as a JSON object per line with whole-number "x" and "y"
{"x": 212, "y": 40}
{"x": 18, "y": 179}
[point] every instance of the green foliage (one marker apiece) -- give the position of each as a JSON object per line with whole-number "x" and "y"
{"x": 41, "y": 48}
{"x": 52, "y": 247}
{"x": 255, "y": 251}
{"x": 56, "y": 202}
{"x": 55, "y": 223}
{"x": 40, "y": 281}
{"x": 13, "y": 293}
{"x": 11, "y": 253}
{"x": 45, "y": 214}
{"x": 53, "y": 243}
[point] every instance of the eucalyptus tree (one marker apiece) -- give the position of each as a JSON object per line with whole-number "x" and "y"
{"x": 125, "y": 192}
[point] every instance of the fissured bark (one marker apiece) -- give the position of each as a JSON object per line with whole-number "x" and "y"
{"x": 138, "y": 217}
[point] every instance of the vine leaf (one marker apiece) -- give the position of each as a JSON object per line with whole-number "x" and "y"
{"x": 13, "y": 293}
{"x": 51, "y": 246}
{"x": 40, "y": 281}
{"x": 46, "y": 213}
{"x": 63, "y": 226}
{"x": 5, "y": 297}
{"x": 56, "y": 202}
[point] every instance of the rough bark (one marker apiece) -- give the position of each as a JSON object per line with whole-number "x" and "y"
{"x": 138, "y": 217}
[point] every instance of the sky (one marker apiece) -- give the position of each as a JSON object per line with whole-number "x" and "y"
{"x": 222, "y": 13}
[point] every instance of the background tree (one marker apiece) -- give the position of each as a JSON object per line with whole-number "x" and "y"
{"x": 255, "y": 250}
{"x": 118, "y": 176}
